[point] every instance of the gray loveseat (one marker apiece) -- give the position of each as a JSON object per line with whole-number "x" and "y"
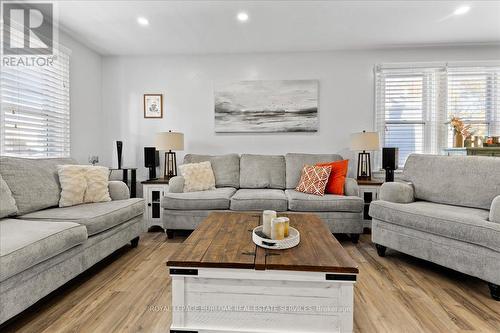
{"x": 41, "y": 246}
{"x": 260, "y": 182}
{"x": 448, "y": 212}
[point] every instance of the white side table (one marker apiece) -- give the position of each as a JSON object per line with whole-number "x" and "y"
{"x": 368, "y": 191}
{"x": 153, "y": 191}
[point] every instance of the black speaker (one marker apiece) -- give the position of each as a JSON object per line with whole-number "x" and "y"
{"x": 151, "y": 161}
{"x": 390, "y": 162}
{"x": 119, "y": 147}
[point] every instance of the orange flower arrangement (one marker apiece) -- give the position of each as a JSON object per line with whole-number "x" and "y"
{"x": 460, "y": 127}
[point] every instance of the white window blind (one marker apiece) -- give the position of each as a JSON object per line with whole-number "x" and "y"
{"x": 414, "y": 103}
{"x": 35, "y": 110}
{"x": 406, "y": 107}
{"x": 473, "y": 95}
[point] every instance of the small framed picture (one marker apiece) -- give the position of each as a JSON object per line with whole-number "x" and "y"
{"x": 153, "y": 105}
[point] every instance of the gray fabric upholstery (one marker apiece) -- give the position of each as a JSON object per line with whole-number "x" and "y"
{"x": 295, "y": 163}
{"x": 303, "y": 202}
{"x": 495, "y": 210}
{"x": 7, "y": 202}
{"x": 259, "y": 199}
{"x": 24, "y": 244}
{"x": 27, "y": 287}
{"x": 176, "y": 184}
{"x": 34, "y": 182}
{"x": 118, "y": 190}
{"x": 470, "y": 181}
{"x": 226, "y": 168}
{"x": 262, "y": 171}
{"x": 212, "y": 199}
{"x": 464, "y": 257}
{"x": 351, "y": 187}
{"x": 96, "y": 217}
{"x": 340, "y": 222}
{"x": 460, "y": 223}
{"x": 397, "y": 192}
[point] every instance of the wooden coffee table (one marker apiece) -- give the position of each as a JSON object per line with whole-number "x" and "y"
{"x": 223, "y": 282}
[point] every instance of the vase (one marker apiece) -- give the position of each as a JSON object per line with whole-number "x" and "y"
{"x": 458, "y": 141}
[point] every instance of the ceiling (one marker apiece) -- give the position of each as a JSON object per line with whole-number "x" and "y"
{"x": 205, "y": 27}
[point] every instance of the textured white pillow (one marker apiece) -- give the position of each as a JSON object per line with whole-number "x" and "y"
{"x": 97, "y": 184}
{"x": 83, "y": 184}
{"x": 73, "y": 184}
{"x": 198, "y": 176}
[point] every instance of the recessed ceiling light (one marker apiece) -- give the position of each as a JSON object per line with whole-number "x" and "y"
{"x": 142, "y": 21}
{"x": 242, "y": 17}
{"x": 461, "y": 10}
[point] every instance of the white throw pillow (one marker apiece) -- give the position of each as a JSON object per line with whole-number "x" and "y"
{"x": 83, "y": 184}
{"x": 198, "y": 176}
{"x": 73, "y": 184}
{"x": 97, "y": 184}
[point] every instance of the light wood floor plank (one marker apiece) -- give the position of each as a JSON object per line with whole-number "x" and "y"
{"x": 130, "y": 292}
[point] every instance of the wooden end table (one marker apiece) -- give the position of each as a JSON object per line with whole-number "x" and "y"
{"x": 222, "y": 282}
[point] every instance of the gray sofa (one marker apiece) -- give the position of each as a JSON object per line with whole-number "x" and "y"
{"x": 447, "y": 212}
{"x": 260, "y": 182}
{"x": 41, "y": 246}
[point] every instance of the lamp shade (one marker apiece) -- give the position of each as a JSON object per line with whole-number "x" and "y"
{"x": 365, "y": 141}
{"x": 169, "y": 141}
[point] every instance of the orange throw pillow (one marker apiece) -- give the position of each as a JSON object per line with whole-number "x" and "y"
{"x": 313, "y": 179}
{"x": 336, "y": 181}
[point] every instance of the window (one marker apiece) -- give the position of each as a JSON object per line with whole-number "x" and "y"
{"x": 35, "y": 112}
{"x": 414, "y": 104}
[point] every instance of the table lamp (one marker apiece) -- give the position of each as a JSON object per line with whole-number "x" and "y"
{"x": 169, "y": 141}
{"x": 364, "y": 141}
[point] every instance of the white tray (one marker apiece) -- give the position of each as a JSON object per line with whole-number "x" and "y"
{"x": 292, "y": 240}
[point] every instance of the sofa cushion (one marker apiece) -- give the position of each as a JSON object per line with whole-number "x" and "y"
{"x": 226, "y": 168}
{"x": 295, "y": 162}
{"x": 7, "y": 202}
{"x": 25, "y": 243}
{"x": 262, "y": 171}
{"x": 459, "y": 223}
{"x": 259, "y": 199}
{"x": 96, "y": 217}
{"x": 197, "y": 176}
{"x": 303, "y": 202}
{"x": 470, "y": 181}
{"x": 212, "y": 199}
{"x": 34, "y": 182}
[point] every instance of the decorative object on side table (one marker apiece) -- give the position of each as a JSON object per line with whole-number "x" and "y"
{"x": 153, "y": 105}
{"x": 119, "y": 150}
{"x": 168, "y": 141}
{"x": 365, "y": 142}
{"x": 151, "y": 161}
{"x": 93, "y": 159}
{"x": 460, "y": 131}
{"x": 390, "y": 161}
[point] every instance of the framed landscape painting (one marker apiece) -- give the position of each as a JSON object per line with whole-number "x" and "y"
{"x": 266, "y": 106}
{"x": 153, "y": 106}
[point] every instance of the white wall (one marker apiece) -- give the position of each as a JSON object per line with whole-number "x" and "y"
{"x": 345, "y": 104}
{"x": 87, "y": 121}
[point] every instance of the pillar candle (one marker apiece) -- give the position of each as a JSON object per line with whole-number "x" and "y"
{"x": 267, "y": 217}
{"x": 286, "y": 223}
{"x": 278, "y": 228}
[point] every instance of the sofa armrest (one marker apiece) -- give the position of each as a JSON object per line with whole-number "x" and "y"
{"x": 351, "y": 187}
{"x": 176, "y": 184}
{"x": 495, "y": 210}
{"x": 397, "y": 192}
{"x": 118, "y": 190}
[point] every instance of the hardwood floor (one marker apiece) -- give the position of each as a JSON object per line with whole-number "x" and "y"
{"x": 130, "y": 292}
